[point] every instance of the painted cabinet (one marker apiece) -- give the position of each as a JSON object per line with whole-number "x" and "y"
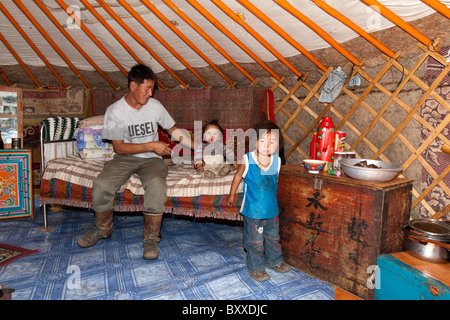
{"x": 16, "y": 193}
{"x": 401, "y": 276}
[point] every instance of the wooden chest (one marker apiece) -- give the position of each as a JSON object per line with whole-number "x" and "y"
{"x": 334, "y": 228}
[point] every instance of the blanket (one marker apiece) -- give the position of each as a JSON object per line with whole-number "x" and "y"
{"x": 182, "y": 180}
{"x": 59, "y": 128}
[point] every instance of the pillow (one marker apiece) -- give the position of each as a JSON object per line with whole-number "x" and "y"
{"x": 96, "y": 121}
{"x": 89, "y": 140}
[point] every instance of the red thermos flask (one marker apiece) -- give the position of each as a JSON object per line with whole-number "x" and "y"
{"x": 324, "y": 146}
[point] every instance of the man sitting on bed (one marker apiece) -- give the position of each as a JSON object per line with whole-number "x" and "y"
{"x": 131, "y": 123}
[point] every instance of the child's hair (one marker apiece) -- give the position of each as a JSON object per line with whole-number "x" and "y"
{"x": 267, "y": 126}
{"x": 215, "y": 123}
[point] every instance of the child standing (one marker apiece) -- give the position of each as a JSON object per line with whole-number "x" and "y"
{"x": 260, "y": 169}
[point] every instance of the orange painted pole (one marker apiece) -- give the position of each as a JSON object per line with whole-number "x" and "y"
{"x": 288, "y": 7}
{"x": 261, "y": 16}
{"x": 439, "y": 7}
{"x": 51, "y": 42}
{"x": 224, "y": 30}
{"x": 214, "y": 44}
{"x": 161, "y": 40}
{"x": 19, "y": 60}
{"x": 5, "y": 78}
{"x": 73, "y": 42}
{"x": 388, "y": 14}
{"x": 32, "y": 45}
{"x": 166, "y": 21}
{"x": 337, "y": 15}
{"x": 92, "y": 37}
{"x": 139, "y": 40}
{"x": 255, "y": 35}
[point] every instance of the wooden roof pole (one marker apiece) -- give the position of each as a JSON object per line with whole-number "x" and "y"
{"x": 32, "y": 45}
{"x": 92, "y": 37}
{"x": 252, "y": 32}
{"x": 224, "y": 30}
{"x": 51, "y": 42}
{"x": 439, "y": 7}
{"x": 108, "y": 27}
{"x": 73, "y": 42}
{"x": 325, "y": 36}
{"x": 207, "y": 38}
{"x": 261, "y": 16}
{"x": 388, "y": 14}
{"x": 161, "y": 40}
{"x": 19, "y": 60}
{"x": 115, "y": 35}
{"x": 141, "y": 42}
{"x": 340, "y": 17}
{"x": 166, "y": 21}
{"x": 5, "y": 78}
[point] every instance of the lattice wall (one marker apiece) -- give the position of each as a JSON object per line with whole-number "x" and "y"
{"x": 382, "y": 122}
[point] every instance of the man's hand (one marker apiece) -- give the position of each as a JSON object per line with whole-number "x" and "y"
{"x": 157, "y": 147}
{"x": 161, "y": 148}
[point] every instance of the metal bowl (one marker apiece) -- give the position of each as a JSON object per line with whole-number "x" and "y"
{"x": 386, "y": 171}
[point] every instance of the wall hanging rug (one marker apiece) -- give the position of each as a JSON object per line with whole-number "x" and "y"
{"x": 435, "y": 113}
{"x": 9, "y": 253}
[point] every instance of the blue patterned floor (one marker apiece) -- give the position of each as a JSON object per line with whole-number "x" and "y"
{"x": 198, "y": 261}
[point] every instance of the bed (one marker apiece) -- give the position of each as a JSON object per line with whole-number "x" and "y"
{"x": 72, "y": 155}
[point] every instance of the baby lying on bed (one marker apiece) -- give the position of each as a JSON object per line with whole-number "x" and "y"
{"x": 212, "y": 157}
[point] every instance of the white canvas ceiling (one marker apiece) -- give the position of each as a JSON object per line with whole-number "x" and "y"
{"x": 355, "y": 10}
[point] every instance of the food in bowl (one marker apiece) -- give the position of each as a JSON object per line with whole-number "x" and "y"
{"x": 364, "y": 164}
{"x": 385, "y": 171}
{"x": 314, "y": 166}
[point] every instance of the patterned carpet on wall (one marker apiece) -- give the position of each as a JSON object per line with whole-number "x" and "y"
{"x": 198, "y": 261}
{"x": 435, "y": 114}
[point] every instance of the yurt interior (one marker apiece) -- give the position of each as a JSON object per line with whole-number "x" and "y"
{"x": 357, "y": 92}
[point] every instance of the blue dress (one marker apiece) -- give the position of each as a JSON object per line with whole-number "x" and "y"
{"x": 260, "y": 188}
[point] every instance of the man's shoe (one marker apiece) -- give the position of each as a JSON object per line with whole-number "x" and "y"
{"x": 91, "y": 237}
{"x": 152, "y": 229}
{"x": 103, "y": 229}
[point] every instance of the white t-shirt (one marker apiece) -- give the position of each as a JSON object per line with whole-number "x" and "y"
{"x": 122, "y": 122}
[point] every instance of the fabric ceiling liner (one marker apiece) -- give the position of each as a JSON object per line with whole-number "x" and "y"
{"x": 150, "y": 13}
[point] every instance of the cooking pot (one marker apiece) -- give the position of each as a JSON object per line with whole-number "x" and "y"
{"x": 427, "y": 240}
{"x": 432, "y": 229}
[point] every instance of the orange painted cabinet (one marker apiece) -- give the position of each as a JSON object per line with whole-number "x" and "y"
{"x": 16, "y": 193}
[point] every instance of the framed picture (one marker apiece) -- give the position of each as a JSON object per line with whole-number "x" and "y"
{"x": 11, "y": 114}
